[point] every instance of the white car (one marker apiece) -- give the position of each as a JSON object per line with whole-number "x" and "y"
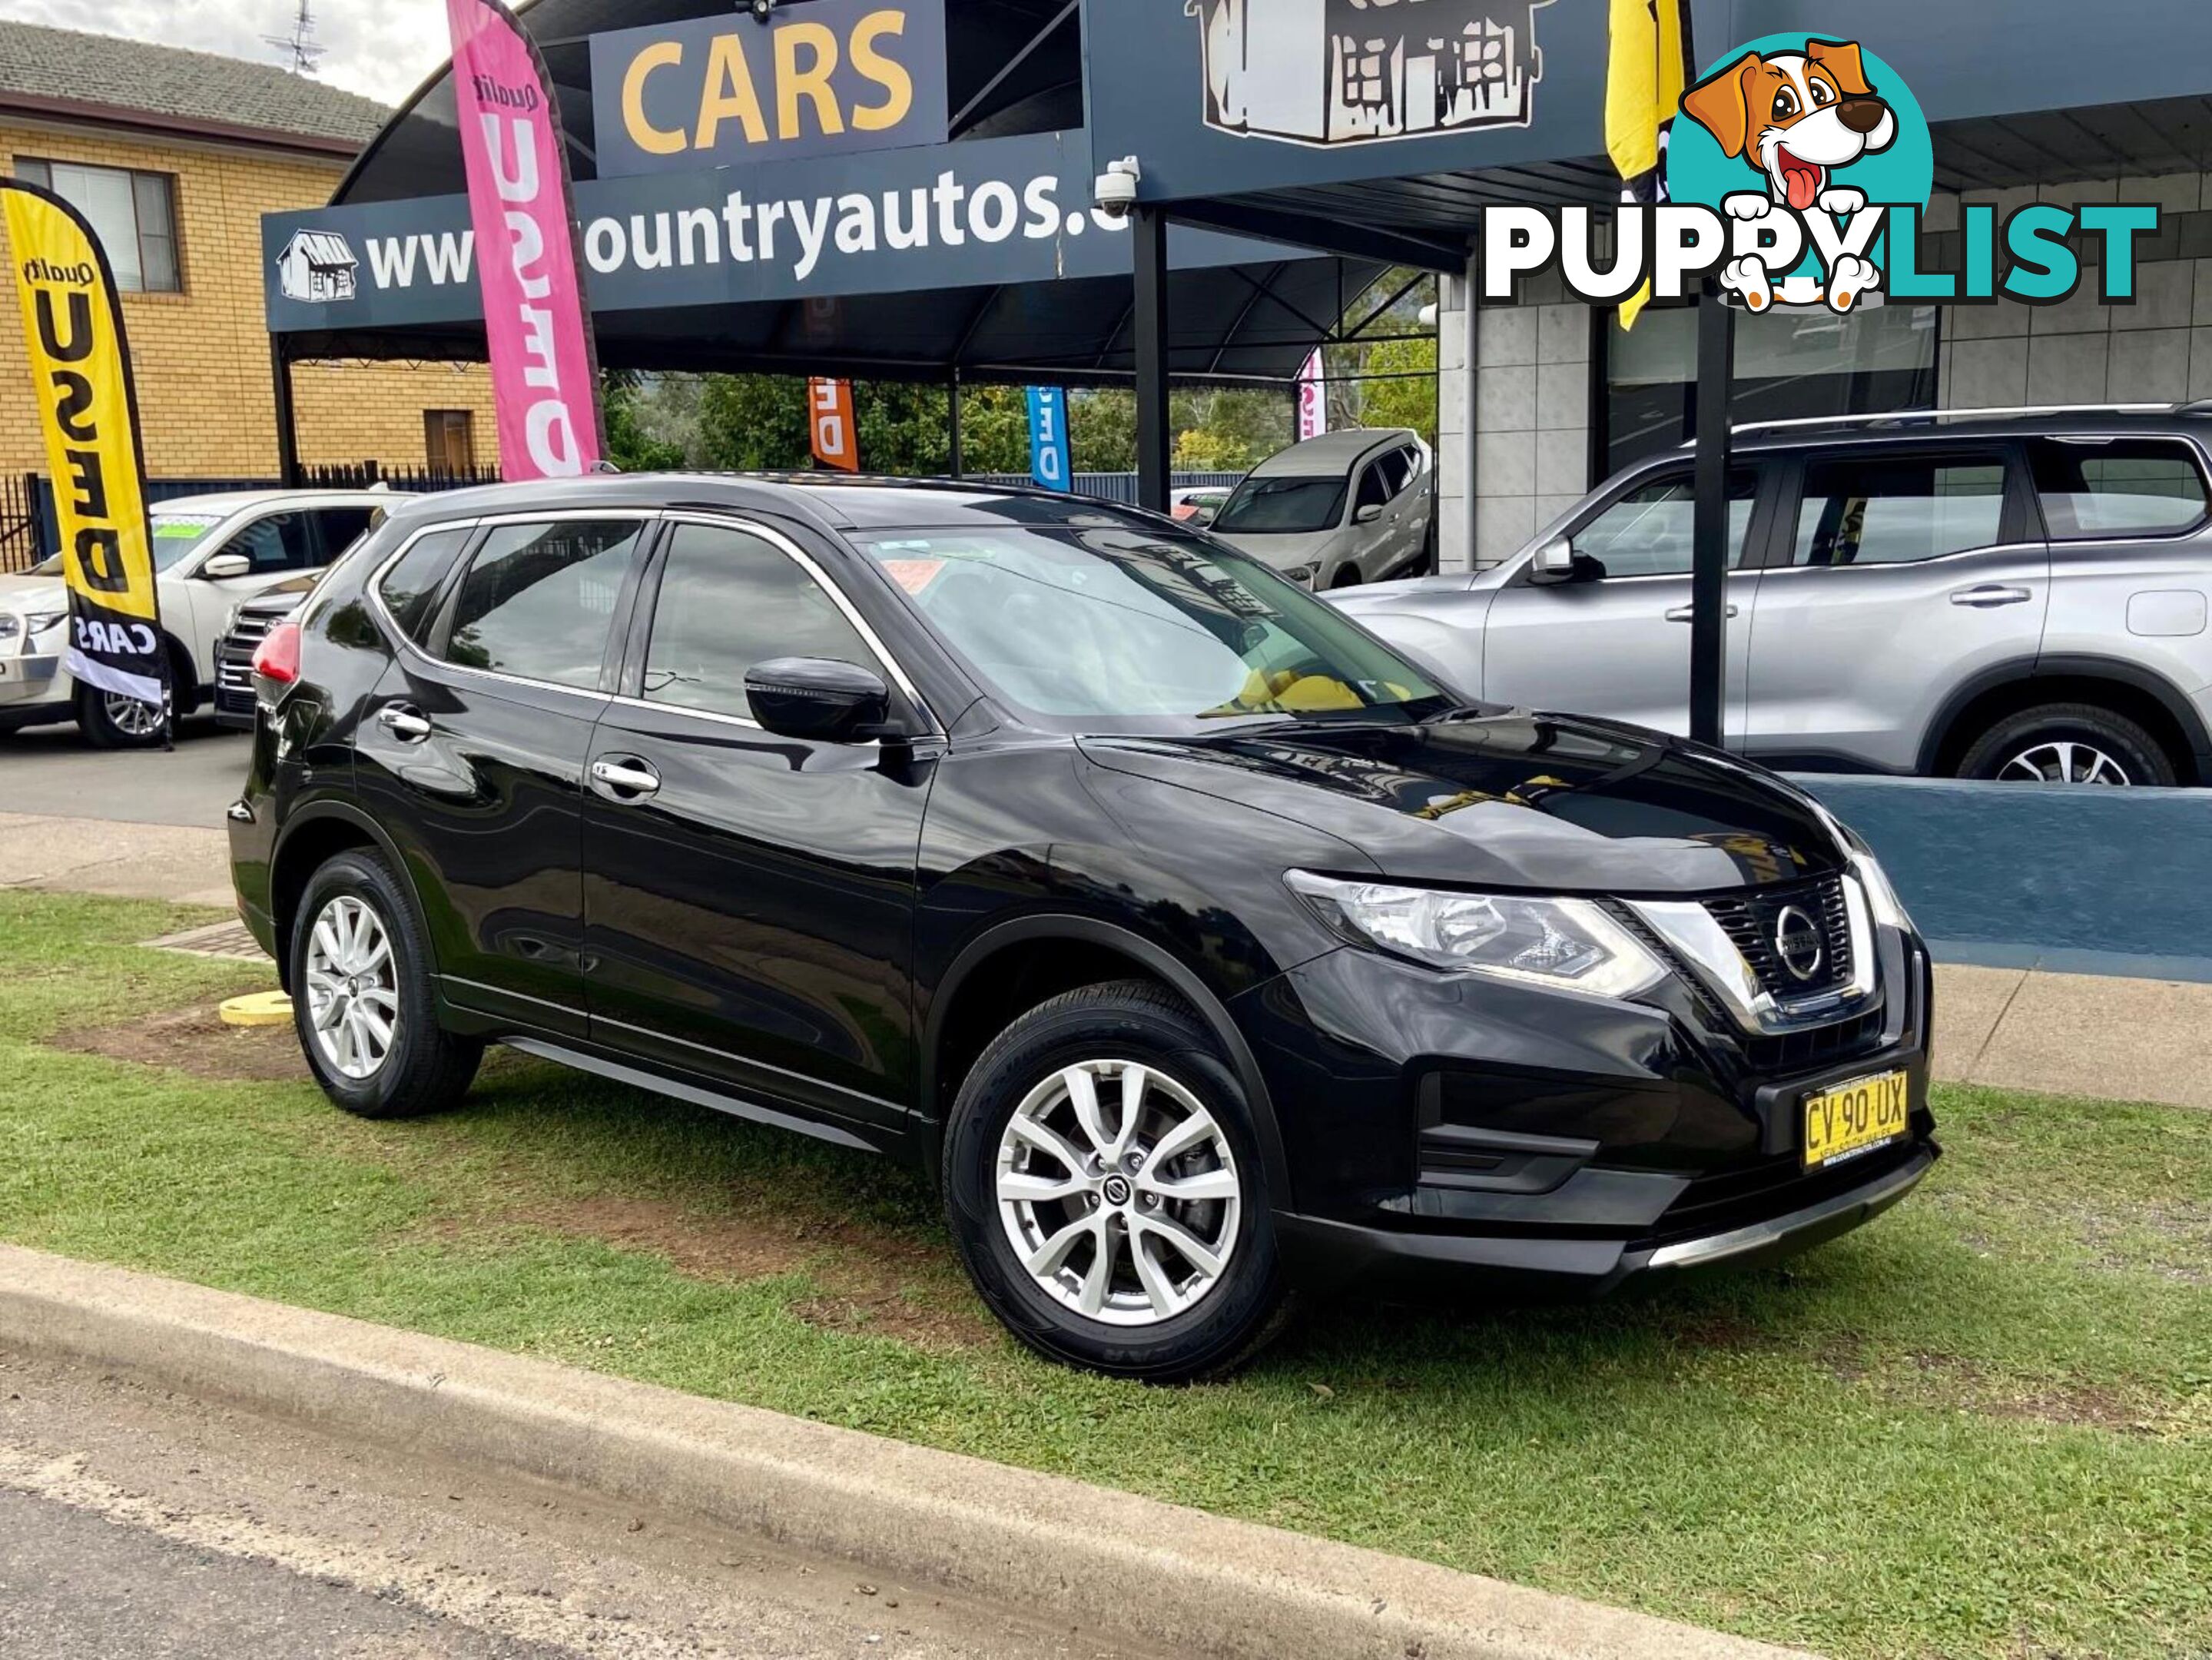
{"x": 211, "y": 553}
{"x": 1349, "y": 507}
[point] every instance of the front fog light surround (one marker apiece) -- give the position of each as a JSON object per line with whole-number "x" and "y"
{"x": 1567, "y": 945}
{"x": 1881, "y": 898}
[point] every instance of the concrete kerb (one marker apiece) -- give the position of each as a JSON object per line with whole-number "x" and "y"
{"x": 1113, "y": 1562}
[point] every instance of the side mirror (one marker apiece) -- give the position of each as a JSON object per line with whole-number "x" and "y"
{"x": 222, "y": 567}
{"x": 1368, "y": 515}
{"x": 1554, "y": 561}
{"x": 819, "y": 699}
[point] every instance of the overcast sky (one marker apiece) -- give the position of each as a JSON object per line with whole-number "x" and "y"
{"x": 383, "y": 48}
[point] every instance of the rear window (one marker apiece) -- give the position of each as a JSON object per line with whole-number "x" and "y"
{"x": 410, "y": 588}
{"x": 2126, "y": 486}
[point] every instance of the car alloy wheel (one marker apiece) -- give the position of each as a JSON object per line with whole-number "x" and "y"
{"x": 1127, "y": 1212}
{"x": 132, "y": 718}
{"x": 353, "y": 988}
{"x": 2062, "y": 762}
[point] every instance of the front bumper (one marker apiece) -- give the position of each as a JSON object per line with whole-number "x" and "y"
{"x": 1328, "y": 1255}
{"x": 1442, "y": 1128}
{"x": 28, "y": 682}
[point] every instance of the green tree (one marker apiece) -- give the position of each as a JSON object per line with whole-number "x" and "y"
{"x": 629, "y": 445}
{"x": 1408, "y": 399}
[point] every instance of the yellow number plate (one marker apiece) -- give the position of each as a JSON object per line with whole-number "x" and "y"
{"x": 1855, "y": 1118}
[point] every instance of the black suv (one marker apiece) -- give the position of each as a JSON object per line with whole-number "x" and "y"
{"x": 1204, "y": 948}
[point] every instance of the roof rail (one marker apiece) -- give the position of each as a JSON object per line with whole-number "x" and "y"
{"x": 1898, "y": 417}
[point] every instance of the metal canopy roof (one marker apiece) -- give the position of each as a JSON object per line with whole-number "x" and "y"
{"x": 1015, "y": 67}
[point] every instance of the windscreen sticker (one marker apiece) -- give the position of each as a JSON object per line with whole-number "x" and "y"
{"x": 184, "y": 529}
{"x": 913, "y": 575}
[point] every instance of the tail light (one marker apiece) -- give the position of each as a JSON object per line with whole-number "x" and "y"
{"x": 277, "y": 660}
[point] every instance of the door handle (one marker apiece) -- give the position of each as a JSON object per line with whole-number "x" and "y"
{"x": 1990, "y": 595}
{"x": 409, "y": 726}
{"x": 624, "y": 779}
{"x": 1684, "y": 613}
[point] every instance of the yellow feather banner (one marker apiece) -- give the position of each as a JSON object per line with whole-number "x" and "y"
{"x": 1647, "y": 67}
{"x": 81, "y": 372}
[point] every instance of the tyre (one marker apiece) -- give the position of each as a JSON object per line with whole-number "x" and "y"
{"x": 2069, "y": 744}
{"x": 362, "y": 997}
{"x": 1347, "y": 576}
{"x": 110, "y": 722}
{"x": 1104, "y": 1189}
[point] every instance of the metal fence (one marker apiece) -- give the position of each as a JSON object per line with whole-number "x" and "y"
{"x": 22, "y": 544}
{"x": 1120, "y": 487}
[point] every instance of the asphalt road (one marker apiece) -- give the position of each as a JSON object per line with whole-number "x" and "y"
{"x": 134, "y": 1522}
{"x": 52, "y": 770}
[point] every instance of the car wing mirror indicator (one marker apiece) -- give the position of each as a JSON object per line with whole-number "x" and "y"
{"x": 821, "y": 700}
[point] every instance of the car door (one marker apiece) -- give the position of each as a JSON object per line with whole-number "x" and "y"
{"x": 472, "y": 753}
{"x": 1900, "y": 574}
{"x": 749, "y": 899}
{"x": 1615, "y": 641}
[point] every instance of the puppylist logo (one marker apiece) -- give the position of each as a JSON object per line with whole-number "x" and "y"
{"x": 1798, "y": 174}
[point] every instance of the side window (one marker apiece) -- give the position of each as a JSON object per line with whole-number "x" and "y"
{"x": 1650, "y": 531}
{"x": 539, "y": 600}
{"x": 341, "y": 528}
{"x": 729, "y": 600}
{"x": 280, "y": 542}
{"x": 2125, "y": 488}
{"x": 1892, "y": 510}
{"x": 412, "y": 583}
{"x": 1375, "y": 488}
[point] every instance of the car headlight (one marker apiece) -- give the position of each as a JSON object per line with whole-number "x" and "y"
{"x": 1567, "y": 945}
{"x": 1888, "y": 910}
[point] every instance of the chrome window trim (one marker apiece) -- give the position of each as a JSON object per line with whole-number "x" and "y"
{"x": 1694, "y": 934}
{"x": 374, "y": 589}
{"x": 1981, "y": 552}
{"x": 735, "y": 519}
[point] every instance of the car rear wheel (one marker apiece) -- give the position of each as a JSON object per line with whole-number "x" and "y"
{"x": 110, "y": 721}
{"x": 362, "y": 996}
{"x": 2069, "y": 744}
{"x": 1104, "y": 1189}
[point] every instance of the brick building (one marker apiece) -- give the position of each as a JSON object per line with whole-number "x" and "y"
{"x": 175, "y": 155}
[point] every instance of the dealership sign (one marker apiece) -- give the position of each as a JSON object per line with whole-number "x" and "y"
{"x": 997, "y": 210}
{"x": 829, "y": 75}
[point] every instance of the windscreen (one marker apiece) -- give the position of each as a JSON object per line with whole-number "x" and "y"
{"x": 1282, "y": 506}
{"x": 1081, "y": 625}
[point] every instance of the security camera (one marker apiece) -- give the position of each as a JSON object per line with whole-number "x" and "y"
{"x": 1115, "y": 189}
{"x": 760, "y": 9}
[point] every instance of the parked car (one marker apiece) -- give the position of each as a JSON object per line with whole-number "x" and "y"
{"x": 210, "y": 553}
{"x": 1199, "y": 505}
{"x": 1202, "y": 946}
{"x": 250, "y": 623}
{"x": 2017, "y": 595}
{"x": 1343, "y": 508}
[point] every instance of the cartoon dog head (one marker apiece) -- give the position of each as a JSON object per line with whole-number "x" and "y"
{"x": 1797, "y": 116}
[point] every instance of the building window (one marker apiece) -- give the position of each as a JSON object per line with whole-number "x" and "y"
{"x": 133, "y": 214}
{"x": 1788, "y": 366}
{"x": 449, "y": 440}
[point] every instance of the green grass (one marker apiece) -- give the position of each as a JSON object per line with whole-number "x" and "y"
{"x": 1982, "y": 1426}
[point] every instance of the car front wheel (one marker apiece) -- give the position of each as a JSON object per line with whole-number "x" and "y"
{"x": 1105, "y": 1187}
{"x": 2069, "y": 744}
{"x": 362, "y": 998}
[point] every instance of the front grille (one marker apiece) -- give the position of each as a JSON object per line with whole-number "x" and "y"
{"x": 1802, "y": 1051}
{"x": 234, "y": 654}
{"x": 1752, "y": 920}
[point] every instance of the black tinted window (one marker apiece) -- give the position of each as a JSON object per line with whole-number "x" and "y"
{"x": 729, "y": 600}
{"x": 408, "y": 588}
{"x": 539, "y": 600}
{"x": 1898, "y": 510}
{"x": 2118, "y": 489}
{"x": 280, "y": 542}
{"x": 342, "y": 527}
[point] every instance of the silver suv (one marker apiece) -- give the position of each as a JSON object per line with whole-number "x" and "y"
{"x": 2005, "y": 594}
